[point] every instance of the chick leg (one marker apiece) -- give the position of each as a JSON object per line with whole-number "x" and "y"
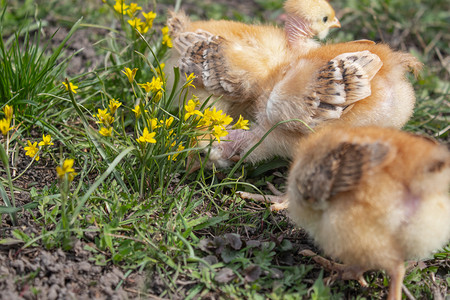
{"x": 395, "y": 289}
{"x": 343, "y": 271}
{"x": 279, "y": 202}
{"x": 278, "y": 199}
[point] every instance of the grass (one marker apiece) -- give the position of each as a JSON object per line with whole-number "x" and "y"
{"x": 133, "y": 200}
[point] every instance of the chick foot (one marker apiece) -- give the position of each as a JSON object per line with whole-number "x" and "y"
{"x": 343, "y": 272}
{"x": 278, "y": 200}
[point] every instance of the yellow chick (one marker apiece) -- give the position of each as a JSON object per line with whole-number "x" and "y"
{"x": 306, "y": 19}
{"x": 250, "y": 51}
{"x": 372, "y": 197}
{"x": 354, "y": 84}
{"x": 253, "y": 71}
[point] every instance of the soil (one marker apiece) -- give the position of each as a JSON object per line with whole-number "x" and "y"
{"x": 38, "y": 273}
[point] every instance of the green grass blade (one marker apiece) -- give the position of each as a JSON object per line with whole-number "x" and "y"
{"x": 108, "y": 171}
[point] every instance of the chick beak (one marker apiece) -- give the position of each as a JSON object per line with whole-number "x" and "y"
{"x": 335, "y": 23}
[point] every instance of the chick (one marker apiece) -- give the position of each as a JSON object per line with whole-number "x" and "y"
{"x": 237, "y": 50}
{"x": 222, "y": 53}
{"x": 254, "y": 72}
{"x": 354, "y": 84}
{"x": 306, "y": 19}
{"x": 372, "y": 197}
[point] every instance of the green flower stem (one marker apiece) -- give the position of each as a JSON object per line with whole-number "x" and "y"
{"x": 4, "y": 158}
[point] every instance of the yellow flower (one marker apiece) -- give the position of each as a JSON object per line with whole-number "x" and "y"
{"x": 205, "y": 120}
{"x": 67, "y": 168}
{"x": 114, "y": 105}
{"x": 165, "y": 30}
{"x": 154, "y": 123}
{"x": 105, "y": 132}
{"x": 132, "y": 9}
{"x": 4, "y": 126}
{"x": 168, "y": 122}
{"x": 214, "y": 117}
{"x": 166, "y": 40}
{"x": 190, "y": 109}
{"x": 121, "y": 7}
{"x": 160, "y": 70}
{"x": 130, "y": 73}
{"x": 189, "y": 80}
{"x": 219, "y": 131}
{"x": 104, "y": 117}
{"x": 73, "y": 88}
{"x": 157, "y": 97}
{"x": 32, "y": 150}
{"x": 223, "y": 118}
{"x": 241, "y": 124}
{"x": 46, "y": 140}
{"x": 101, "y": 113}
{"x": 149, "y": 17}
{"x": 137, "y": 111}
{"x": 179, "y": 149}
{"x": 146, "y": 86}
{"x": 139, "y": 25}
{"x": 147, "y": 137}
{"x": 8, "y": 111}
{"x": 157, "y": 84}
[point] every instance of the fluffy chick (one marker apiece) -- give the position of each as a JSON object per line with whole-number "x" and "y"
{"x": 372, "y": 197}
{"x": 354, "y": 84}
{"x": 306, "y": 19}
{"x": 250, "y": 51}
{"x": 222, "y": 53}
{"x": 255, "y": 73}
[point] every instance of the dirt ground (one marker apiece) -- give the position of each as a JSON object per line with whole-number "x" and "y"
{"x": 37, "y": 273}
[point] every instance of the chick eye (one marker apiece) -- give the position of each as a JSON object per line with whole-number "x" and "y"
{"x": 325, "y": 19}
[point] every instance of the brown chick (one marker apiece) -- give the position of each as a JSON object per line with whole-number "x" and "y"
{"x": 372, "y": 197}
{"x": 254, "y": 72}
{"x": 235, "y": 50}
{"x": 354, "y": 84}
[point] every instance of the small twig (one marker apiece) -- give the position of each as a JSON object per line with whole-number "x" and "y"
{"x": 407, "y": 293}
{"x": 273, "y": 189}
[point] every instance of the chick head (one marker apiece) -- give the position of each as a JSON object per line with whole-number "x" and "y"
{"x": 317, "y": 15}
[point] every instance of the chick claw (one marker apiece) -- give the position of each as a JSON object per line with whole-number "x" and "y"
{"x": 344, "y": 272}
{"x": 278, "y": 199}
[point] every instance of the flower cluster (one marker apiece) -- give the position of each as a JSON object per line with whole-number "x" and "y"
{"x": 132, "y": 10}
{"x": 163, "y": 129}
{"x": 154, "y": 89}
{"x": 166, "y": 40}
{"x": 32, "y": 149}
{"x": 106, "y": 119}
{"x": 212, "y": 119}
{"x": 6, "y": 122}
